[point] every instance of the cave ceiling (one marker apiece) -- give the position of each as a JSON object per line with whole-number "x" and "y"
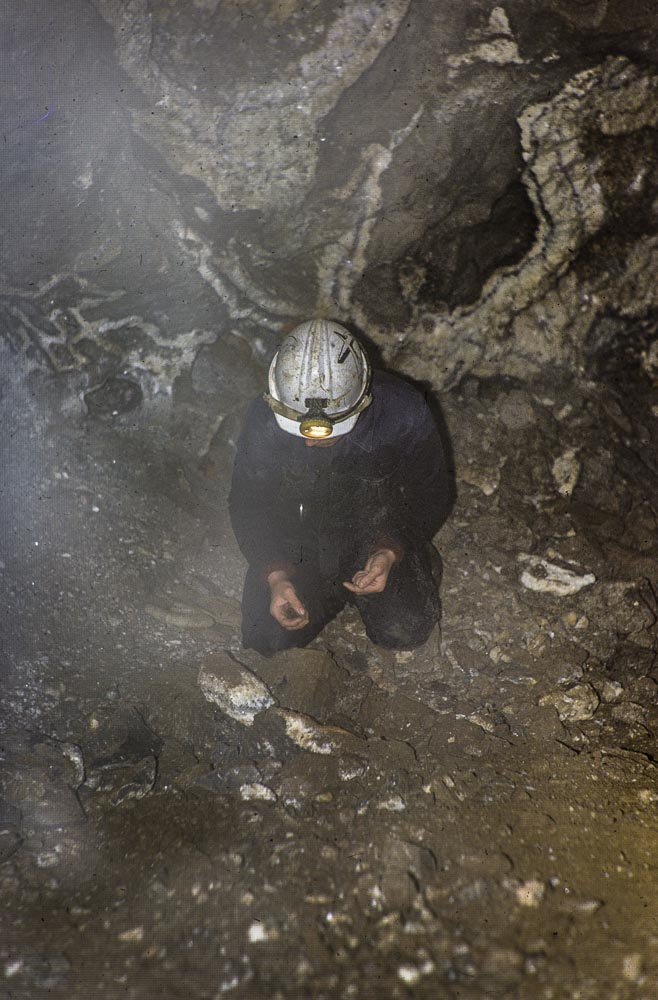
{"x": 472, "y": 185}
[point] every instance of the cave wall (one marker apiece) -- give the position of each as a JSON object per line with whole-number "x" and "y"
{"x": 474, "y": 185}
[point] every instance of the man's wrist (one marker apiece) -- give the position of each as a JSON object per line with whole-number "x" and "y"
{"x": 389, "y": 554}
{"x": 276, "y": 571}
{"x": 389, "y": 545}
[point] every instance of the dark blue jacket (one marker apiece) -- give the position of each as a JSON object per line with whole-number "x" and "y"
{"x": 384, "y": 483}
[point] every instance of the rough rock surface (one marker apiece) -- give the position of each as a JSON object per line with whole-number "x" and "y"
{"x": 233, "y": 688}
{"x": 475, "y": 186}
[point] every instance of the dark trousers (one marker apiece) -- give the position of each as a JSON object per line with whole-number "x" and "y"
{"x": 400, "y": 617}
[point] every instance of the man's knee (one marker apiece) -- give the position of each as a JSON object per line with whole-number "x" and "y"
{"x": 402, "y": 635}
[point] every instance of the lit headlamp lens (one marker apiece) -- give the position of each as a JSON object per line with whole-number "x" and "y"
{"x": 315, "y": 427}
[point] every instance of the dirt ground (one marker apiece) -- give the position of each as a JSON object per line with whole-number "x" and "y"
{"x": 477, "y": 819}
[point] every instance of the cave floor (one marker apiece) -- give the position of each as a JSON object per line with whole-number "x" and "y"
{"x": 473, "y": 820}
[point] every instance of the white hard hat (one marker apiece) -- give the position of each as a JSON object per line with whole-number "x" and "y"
{"x": 319, "y": 381}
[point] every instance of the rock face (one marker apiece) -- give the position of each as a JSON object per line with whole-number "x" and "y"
{"x": 472, "y": 185}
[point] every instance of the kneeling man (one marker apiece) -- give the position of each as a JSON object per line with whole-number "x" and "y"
{"x": 339, "y": 486}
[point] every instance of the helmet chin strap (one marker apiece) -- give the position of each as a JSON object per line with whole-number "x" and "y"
{"x": 316, "y": 410}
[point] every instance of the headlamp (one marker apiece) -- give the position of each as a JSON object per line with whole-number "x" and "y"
{"x": 316, "y": 427}
{"x": 316, "y": 424}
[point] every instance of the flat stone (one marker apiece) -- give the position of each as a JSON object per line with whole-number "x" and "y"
{"x": 630, "y": 713}
{"x": 576, "y": 704}
{"x": 403, "y": 866}
{"x": 233, "y": 688}
{"x": 181, "y": 616}
{"x": 257, "y": 792}
{"x": 566, "y": 472}
{"x": 306, "y": 681}
{"x": 310, "y": 735}
{"x": 611, "y": 691}
{"x": 190, "y": 610}
{"x": 548, "y": 578}
{"x": 516, "y": 411}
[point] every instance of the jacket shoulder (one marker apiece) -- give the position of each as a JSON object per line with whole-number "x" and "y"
{"x": 259, "y": 435}
{"x": 397, "y": 400}
{"x": 258, "y": 419}
{"x": 393, "y": 385}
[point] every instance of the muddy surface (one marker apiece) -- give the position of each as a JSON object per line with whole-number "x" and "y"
{"x": 184, "y": 819}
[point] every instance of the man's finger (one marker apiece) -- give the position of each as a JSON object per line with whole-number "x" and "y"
{"x": 375, "y": 586}
{"x": 293, "y": 609}
{"x": 367, "y": 577}
{"x": 293, "y": 626}
{"x": 362, "y": 579}
{"x": 293, "y": 621}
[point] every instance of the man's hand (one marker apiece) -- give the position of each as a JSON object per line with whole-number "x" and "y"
{"x": 372, "y": 579}
{"x": 285, "y": 606}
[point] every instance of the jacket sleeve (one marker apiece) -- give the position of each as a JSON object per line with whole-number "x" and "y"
{"x": 258, "y": 521}
{"x": 423, "y": 491}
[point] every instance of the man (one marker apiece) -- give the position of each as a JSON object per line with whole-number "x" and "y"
{"x": 339, "y": 485}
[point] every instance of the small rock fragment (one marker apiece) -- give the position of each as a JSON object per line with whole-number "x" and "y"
{"x": 309, "y": 734}
{"x": 530, "y": 893}
{"x": 484, "y": 478}
{"x": 351, "y": 767}
{"x": 48, "y": 859}
{"x": 548, "y": 578}
{"x": 259, "y": 932}
{"x": 611, "y": 691}
{"x": 482, "y": 722}
{"x": 632, "y": 967}
{"x": 257, "y": 791}
{"x": 134, "y": 934}
{"x": 74, "y": 754}
{"x": 409, "y": 974}
{"x": 515, "y": 409}
{"x": 394, "y": 804}
{"x": 585, "y": 907}
{"x": 566, "y": 471}
{"x": 119, "y": 780}
{"x": 13, "y": 967}
{"x": 576, "y": 704}
{"x": 649, "y": 360}
{"x": 233, "y": 688}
